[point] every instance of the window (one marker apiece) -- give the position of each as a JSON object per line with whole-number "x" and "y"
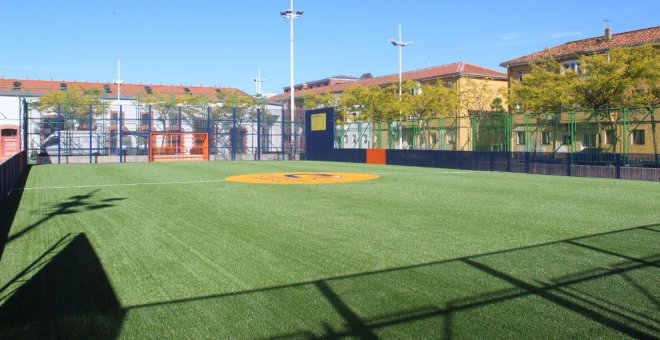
{"x": 354, "y": 139}
{"x": 434, "y": 138}
{"x": 566, "y": 140}
{"x": 364, "y": 140}
{"x": 187, "y": 90}
{"x": 451, "y": 138}
{"x": 589, "y": 140}
{"x": 147, "y": 89}
{"x": 106, "y": 88}
{"x": 639, "y": 137}
{"x": 450, "y": 84}
{"x": 17, "y": 85}
{"x": 610, "y": 135}
{"x": 520, "y": 137}
{"x": 345, "y": 139}
{"x": 571, "y": 65}
{"x": 546, "y": 137}
{"x": 520, "y": 75}
{"x": 63, "y": 86}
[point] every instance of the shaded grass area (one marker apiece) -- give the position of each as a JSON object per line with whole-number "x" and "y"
{"x": 421, "y": 253}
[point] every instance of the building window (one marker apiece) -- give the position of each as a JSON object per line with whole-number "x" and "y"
{"x": 520, "y": 137}
{"x": 106, "y": 88}
{"x": 354, "y": 139}
{"x": 345, "y": 139}
{"x": 520, "y": 75}
{"x": 450, "y": 84}
{"x": 63, "y": 86}
{"x": 639, "y": 137}
{"x": 571, "y": 65}
{"x": 148, "y": 90}
{"x": 434, "y": 138}
{"x": 589, "y": 140}
{"x": 566, "y": 140}
{"x": 451, "y": 138}
{"x": 546, "y": 137}
{"x": 17, "y": 85}
{"x": 364, "y": 140}
{"x": 610, "y": 135}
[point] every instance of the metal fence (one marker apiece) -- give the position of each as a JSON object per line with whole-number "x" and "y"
{"x": 106, "y": 133}
{"x": 591, "y": 136}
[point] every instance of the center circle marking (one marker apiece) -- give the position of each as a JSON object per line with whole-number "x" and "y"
{"x": 319, "y": 177}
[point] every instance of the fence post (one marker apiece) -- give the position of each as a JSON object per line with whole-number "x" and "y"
{"x": 26, "y": 126}
{"x": 617, "y": 158}
{"x": 233, "y": 134}
{"x": 120, "y": 129}
{"x": 258, "y": 134}
{"x": 208, "y": 130}
{"x": 60, "y": 124}
{"x": 149, "y": 133}
{"x": 283, "y": 133}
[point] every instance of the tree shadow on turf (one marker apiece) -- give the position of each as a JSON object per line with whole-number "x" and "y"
{"x": 72, "y": 205}
{"x": 69, "y": 297}
{"x": 518, "y": 292}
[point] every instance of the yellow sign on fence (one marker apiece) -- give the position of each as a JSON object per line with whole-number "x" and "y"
{"x": 318, "y": 122}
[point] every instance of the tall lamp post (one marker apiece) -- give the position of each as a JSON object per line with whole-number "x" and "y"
{"x": 290, "y": 15}
{"x": 118, "y": 82}
{"x": 400, "y": 44}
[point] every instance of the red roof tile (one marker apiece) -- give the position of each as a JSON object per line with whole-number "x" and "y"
{"x": 443, "y": 71}
{"x": 592, "y": 45}
{"x": 41, "y": 87}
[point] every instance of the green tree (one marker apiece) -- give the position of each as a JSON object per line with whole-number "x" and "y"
{"x": 546, "y": 88}
{"x": 427, "y": 101}
{"x": 315, "y": 100}
{"x": 369, "y": 103}
{"x": 74, "y": 104}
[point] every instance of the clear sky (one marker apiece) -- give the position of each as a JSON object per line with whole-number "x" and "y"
{"x": 224, "y": 42}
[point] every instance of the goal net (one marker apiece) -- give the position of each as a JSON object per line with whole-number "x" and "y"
{"x": 178, "y": 146}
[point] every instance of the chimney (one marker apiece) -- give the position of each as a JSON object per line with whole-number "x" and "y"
{"x": 608, "y": 34}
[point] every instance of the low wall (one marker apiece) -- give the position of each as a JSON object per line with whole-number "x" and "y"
{"x": 608, "y": 166}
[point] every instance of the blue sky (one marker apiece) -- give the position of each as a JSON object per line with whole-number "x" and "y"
{"x": 225, "y": 42}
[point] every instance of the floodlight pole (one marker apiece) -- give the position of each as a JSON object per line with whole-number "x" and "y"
{"x": 400, "y": 44}
{"x": 290, "y": 15}
{"x": 258, "y": 81}
{"x": 118, "y": 81}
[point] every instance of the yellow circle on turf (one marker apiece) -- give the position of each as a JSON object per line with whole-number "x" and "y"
{"x": 319, "y": 177}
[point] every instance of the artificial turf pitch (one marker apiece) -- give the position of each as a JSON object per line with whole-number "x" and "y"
{"x": 172, "y": 250}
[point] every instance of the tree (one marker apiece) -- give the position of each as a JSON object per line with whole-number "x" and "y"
{"x": 74, "y": 105}
{"x": 369, "y": 103}
{"x": 427, "y": 101}
{"x": 315, "y": 100}
{"x": 621, "y": 77}
{"x": 547, "y": 87}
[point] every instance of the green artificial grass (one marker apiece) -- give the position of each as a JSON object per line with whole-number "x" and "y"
{"x": 172, "y": 250}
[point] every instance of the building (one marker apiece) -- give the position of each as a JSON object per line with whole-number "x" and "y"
{"x": 456, "y": 136}
{"x": 334, "y": 80}
{"x": 569, "y": 53}
{"x": 580, "y": 131}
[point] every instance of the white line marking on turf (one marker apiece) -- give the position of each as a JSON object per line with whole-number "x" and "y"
{"x": 119, "y": 185}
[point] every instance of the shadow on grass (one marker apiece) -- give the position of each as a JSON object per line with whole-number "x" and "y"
{"x": 69, "y": 297}
{"x": 516, "y": 270}
{"x": 72, "y": 205}
{"x": 596, "y": 285}
{"x": 9, "y": 208}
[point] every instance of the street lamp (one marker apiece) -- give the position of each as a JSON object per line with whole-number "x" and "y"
{"x": 290, "y": 15}
{"x": 400, "y": 44}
